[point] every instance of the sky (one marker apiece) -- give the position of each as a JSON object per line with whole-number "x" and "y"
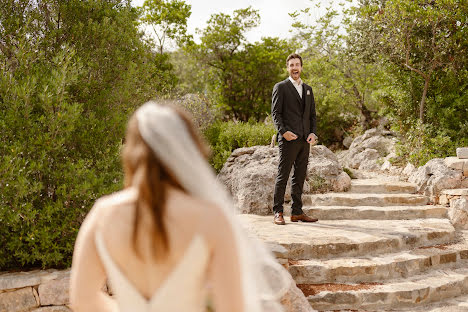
{"x": 275, "y": 21}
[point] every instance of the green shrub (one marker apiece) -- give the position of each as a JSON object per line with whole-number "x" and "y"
{"x": 349, "y": 172}
{"x": 63, "y": 111}
{"x": 224, "y": 137}
{"x": 423, "y": 142}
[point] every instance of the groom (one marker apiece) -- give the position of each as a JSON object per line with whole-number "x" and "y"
{"x": 293, "y": 111}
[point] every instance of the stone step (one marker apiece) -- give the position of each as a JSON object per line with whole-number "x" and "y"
{"x": 372, "y": 212}
{"x": 379, "y": 268}
{"x": 354, "y": 199}
{"x": 404, "y": 293}
{"x": 347, "y": 238}
{"x": 381, "y": 186}
{"x": 457, "y": 304}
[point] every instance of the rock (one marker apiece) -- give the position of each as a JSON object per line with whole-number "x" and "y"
{"x": 435, "y": 176}
{"x": 462, "y": 152}
{"x": 347, "y": 141}
{"x": 455, "y": 163}
{"x": 55, "y": 292}
{"x": 53, "y": 309}
{"x": 342, "y": 182}
{"x": 19, "y": 300}
{"x": 365, "y": 150}
{"x": 295, "y": 301}
{"x": 366, "y": 160}
{"x": 458, "y": 213}
{"x": 386, "y": 166}
{"x": 464, "y": 183}
{"x": 250, "y": 173}
{"x": 409, "y": 169}
{"x": 31, "y": 278}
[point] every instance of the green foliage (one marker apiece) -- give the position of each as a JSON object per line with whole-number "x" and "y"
{"x": 317, "y": 184}
{"x": 71, "y": 73}
{"x": 423, "y": 142}
{"x": 202, "y": 111}
{"x": 239, "y": 76}
{"x": 426, "y": 38}
{"x": 344, "y": 84}
{"x": 349, "y": 172}
{"x": 224, "y": 137}
{"x": 168, "y": 20}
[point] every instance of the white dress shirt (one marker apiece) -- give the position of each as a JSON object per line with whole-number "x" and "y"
{"x": 298, "y": 85}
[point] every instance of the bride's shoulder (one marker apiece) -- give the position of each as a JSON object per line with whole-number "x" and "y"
{"x": 108, "y": 204}
{"x": 122, "y": 197}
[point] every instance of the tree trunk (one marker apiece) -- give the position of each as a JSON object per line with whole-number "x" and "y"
{"x": 423, "y": 98}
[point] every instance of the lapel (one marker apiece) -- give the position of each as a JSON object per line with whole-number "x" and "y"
{"x": 293, "y": 90}
{"x": 308, "y": 97}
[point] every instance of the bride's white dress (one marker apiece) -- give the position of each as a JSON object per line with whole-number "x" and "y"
{"x": 182, "y": 291}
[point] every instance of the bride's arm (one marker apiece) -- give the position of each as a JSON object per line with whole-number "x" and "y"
{"x": 87, "y": 274}
{"x": 225, "y": 267}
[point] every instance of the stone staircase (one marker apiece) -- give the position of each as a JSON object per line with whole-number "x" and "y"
{"x": 378, "y": 247}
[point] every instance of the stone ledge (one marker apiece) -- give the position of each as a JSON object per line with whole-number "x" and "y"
{"x": 379, "y": 268}
{"x": 357, "y": 199}
{"x": 447, "y": 196}
{"x": 373, "y": 212}
{"x": 462, "y": 152}
{"x": 458, "y": 192}
{"x": 329, "y": 239}
{"x": 31, "y": 278}
{"x": 455, "y": 163}
{"x": 19, "y": 300}
{"x": 55, "y": 292}
{"x": 413, "y": 292}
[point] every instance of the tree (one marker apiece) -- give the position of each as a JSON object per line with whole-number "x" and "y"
{"x": 241, "y": 75}
{"x": 344, "y": 84}
{"x": 420, "y": 36}
{"x": 167, "y": 19}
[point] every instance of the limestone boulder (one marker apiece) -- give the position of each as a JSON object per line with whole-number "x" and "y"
{"x": 55, "y": 292}
{"x": 347, "y": 141}
{"x": 249, "y": 174}
{"x": 367, "y": 151}
{"x": 462, "y": 152}
{"x": 19, "y": 300}
{"x": 295, "y": 301}
{"x": 409, "y": 169}
{"x": 435, "y": 176}
{"x": 458, "y": 213}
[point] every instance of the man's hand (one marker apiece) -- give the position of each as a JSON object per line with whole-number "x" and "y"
{"x": 289, "y": 136}
{"x": 312, "y": 139}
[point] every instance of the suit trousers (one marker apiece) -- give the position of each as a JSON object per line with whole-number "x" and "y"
{"x": 295, "y": 152}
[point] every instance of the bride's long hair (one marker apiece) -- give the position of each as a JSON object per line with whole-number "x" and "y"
{"x": 146, "y": 173}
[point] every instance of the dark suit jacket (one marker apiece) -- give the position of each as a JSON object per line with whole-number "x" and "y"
{"x": 290, "y": 112}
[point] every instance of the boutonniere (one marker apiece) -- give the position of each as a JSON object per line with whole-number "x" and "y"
{"x": 308, "y": 92}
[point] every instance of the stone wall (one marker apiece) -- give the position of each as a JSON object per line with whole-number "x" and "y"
{"x": 440, "y": 174}
{"x": 47, "y": 291}
{"x": 37, "y": 291}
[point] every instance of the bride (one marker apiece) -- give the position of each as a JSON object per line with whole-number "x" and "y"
{"x": 170, "y": 239}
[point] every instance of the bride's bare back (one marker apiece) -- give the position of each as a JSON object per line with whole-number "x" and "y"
{"x": 186, "y": 218}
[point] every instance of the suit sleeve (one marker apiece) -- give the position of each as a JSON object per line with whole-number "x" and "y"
{"x": 277, "y": 101}
{"x": 313, "y": 116}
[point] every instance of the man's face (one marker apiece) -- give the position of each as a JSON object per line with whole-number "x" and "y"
{"x": 294, "y": 68}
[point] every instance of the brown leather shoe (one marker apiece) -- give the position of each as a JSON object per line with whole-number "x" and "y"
{"x": 303, "y": 218}
{"x": 279, "y": 218}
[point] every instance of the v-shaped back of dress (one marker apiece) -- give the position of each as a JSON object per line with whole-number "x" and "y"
{"x": 181, "y": 291}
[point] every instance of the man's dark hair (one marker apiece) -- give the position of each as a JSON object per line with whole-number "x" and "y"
{"x": 293, "y": 56}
